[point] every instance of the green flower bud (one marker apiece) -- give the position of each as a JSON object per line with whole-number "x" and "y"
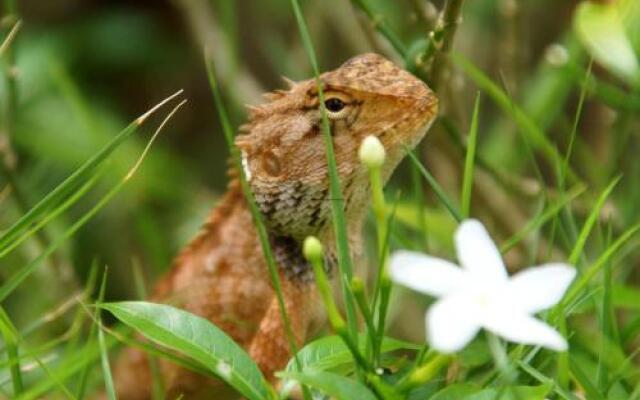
{"x": 312, "y": 248}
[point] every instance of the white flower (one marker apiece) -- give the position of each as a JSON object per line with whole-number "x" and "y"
{"x": 481, "y": 294}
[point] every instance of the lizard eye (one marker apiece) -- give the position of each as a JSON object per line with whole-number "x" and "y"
{"x": 334, "y": 105}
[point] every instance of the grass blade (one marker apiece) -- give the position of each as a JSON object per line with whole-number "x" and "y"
{"x": 537, "y": 222}
{"x": 437, "y": 189}
{"x": 467, "y": 182}
{"x": 585, "y": 278}
{"x": 337, "y": 203}
{"x": 104, "y": 355}
{"x": 75, "y": 180}
{"x": 17, "y": 278}
{"x": 263, "y": 235}
{"x": 528, "y": 127}
{"x": 591, "y": 221}
{"x": 10, "y": 336}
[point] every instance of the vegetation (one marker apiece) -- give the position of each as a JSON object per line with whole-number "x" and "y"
{"x": 537, "y": 137}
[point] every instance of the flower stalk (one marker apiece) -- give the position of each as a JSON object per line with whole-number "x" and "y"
{"x": 313, "y": 252}
{"x": 372, "y": 155}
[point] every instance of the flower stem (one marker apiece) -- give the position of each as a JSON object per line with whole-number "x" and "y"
{"x": 500, "y": 357}
{"x": 313, "y": 254}
{"x": 424, "y": 373}
{"x": 383, "y": 281}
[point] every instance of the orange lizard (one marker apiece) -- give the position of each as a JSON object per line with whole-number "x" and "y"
{"x": 222, "y": 276}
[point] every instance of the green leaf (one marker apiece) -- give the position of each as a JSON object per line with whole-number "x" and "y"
{"x": 437, "y": 189}
{"x": 456, "y": 392}
{"x": 630, "y": 13}
{"x": 11, "y": 339}
{"x": 467, "y": 181}
{"x": 600, "y": 28}
{"x": 330, "y": 351}
{"x": 512, "y": 393}
{"x": 541, "y": 219}
{"x": 525, "y": 123}
{"x": 334, "y": 385}
{"x": 102, "y": 343}
{"x": 71, "y": 184}
{"x": 197, "y": 338}
{"x": 590, "y": 222}
{"x": 468, "y": 391}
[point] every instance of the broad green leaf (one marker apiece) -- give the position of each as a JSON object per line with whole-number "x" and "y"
{"x": 512, "y": 393}
{"x": 630, "y": 13}
{"x": 334, "y": 385}
{"x": 330, "y": 351}
{"x": 197, "y": 338}
{"x": 600, "y": 28}
{"x": 457, "y": 391}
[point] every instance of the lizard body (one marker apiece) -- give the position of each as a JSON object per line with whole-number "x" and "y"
{"x": 222, "y": 276}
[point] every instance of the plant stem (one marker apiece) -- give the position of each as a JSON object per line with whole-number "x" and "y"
{"x": 337, "y": 323}
{"x": 263, "y": 235}
{"x": 442, "y": 38}
{"x": 500, "y": 356}
{"x": 335, "y": 192}
{"x": 381, "y": 26}
{"x": 424, "y": 373}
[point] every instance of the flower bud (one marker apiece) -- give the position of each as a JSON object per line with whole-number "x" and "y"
{"x": 312, "y": 248}
{"x": 371, "y": 152}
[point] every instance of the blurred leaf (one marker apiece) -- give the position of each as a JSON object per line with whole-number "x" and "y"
{"x": 197, "y": 338}
{"x": 80, "y": 176}
{"x": 630, "y": 13}
{"x": 590, "y": 222}
{"x": 624, "y": 296}
{"x": 601, "y": 29}
{"x": 330, "y": 351}
{"x": 525, "y": 123}
{"x": 334, "y": 385}
{"x": 11, "y": 339}
{"x": 469, "y": 163}
{"x": 467, "y": 391}
{"x": 583, "y": 379}
{"x": 457, "y": 391}
{"x": 512, "y": 393}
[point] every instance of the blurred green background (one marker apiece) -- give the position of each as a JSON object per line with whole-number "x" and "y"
{"x": 86, "y": 68}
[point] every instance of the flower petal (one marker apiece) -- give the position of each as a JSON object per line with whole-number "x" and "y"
{"x": 477, "y": 252}
{"x": 425, "y": 274}
{"x": 538, "y": 288}
{"x": 451, "y": 324}
{"x": 522, "y": 328}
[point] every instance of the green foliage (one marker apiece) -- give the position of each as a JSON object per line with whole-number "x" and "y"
{"x": 549, "y": 164}
{"x": 603, "y": 29}
{"x": 196, "y": 338}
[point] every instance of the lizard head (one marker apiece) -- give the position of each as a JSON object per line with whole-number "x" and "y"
{"x": 283, "y": 145}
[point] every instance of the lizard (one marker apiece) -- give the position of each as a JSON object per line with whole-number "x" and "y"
{"x": 222, "y": 275}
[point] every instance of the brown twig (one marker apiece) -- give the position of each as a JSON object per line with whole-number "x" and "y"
{"x": 441, "y": 38}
